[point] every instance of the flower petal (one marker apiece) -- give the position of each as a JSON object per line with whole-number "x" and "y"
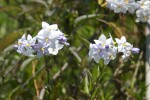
{"x": 41, "y": 32}
{"x": 96, "y": 58}
{"x": 29, "y": 37}
{"x": 123, "y": 39}
{"x": 45, "y": 25}
{"x": 23, "y": 37}
{"x": 53, "y": 51}
{"x": 102, "y": 38}
{"x": 54, "y": 27}
{"x": 118, "y": 40}
{"x": 106, "y": 61}
{"x": 97, "y": 42}
{"x": 59, "y": 46}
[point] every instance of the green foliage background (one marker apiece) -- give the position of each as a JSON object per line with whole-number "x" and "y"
{"x": 73, "y": 75}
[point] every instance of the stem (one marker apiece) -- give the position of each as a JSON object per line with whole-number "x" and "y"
{"x": 136, "y": 70}
{"x": 35, "y": 82}
{"x": 48, "y": 78}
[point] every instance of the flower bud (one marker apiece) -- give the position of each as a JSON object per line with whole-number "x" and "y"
{"x": 135, "y": 50}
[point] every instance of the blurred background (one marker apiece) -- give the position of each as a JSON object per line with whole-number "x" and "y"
{"x": 73, "y": 75}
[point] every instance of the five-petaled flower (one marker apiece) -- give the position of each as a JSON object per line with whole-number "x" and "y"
{"x": 24, "y": 45}
{"x": 48, "y": 41}
{"x": 106, "y": 50}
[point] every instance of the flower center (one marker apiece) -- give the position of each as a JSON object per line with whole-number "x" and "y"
{"x": 115, "y": 43}
{"x": 28, "y": 45}
{"x": 142, "y": 4}
{"x": 42, "y": 50}
{"x": 47, "y": 39}
{"x": 103, "y": 44}
{"x": 99, "y": 50}
{"x": 19, "y": 43}
{"x": 111, "y": 56}
{"x": 124, "y": 44}
{"x": 145, "y": 18}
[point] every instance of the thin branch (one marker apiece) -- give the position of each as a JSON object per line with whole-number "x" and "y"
{"x": 60, "y": 71}
{"x": 42, "y": 92}
{"x": 75, "y": 54}
{"x": 35, "y": 82}
{"x": 23, "y": 85}
{"x": 48, "y": 78}
{"x": 136, "y": 70}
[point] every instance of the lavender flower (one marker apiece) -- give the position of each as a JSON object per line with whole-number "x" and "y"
{"x": 135, "y": 50}
{"x": 106, "y": 50}
{"x": 49, "y": 41}
{"x": 63, "y": 40}
{"x": 52, "y": 37}
{"x": 24, "y": 45}
{"x": 96, "y": 52}
{"x": 103, "y": 49}
{"x": 125, "y": 47}
{"x": 41, "y": 49}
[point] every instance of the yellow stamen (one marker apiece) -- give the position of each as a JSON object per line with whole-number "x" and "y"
{"x": 47, "y": 39}
{"x": 111, "y": 56}
{"x": 42, "y": 50}
{"x": 28, "y": 45}
{"x": 142, "y": 4}
{"x": 103, "y": 44}
{"x": 145, "y": 18}
{"x": 19, "y": 43}
{"x": 115, "y": 43}
{"x": 99, "y": 50}
{"x": 124, "y": 44}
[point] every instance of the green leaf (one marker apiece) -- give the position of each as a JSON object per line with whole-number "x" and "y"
{"x": 86, "y": 83}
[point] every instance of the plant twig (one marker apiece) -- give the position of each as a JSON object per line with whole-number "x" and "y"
{"x": 35, "y": 82}
{"x": 22, "y": 86}
{"x": 48, "y": 78}
{"x": 136, "y": 70}
{"x": 42, "y": 92}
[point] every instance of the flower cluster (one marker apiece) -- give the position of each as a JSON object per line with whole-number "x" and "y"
{"x": 143, "y": 13}
{"x": 48, "y": 41}
{"x": 142, "y": 8}
{"x": 106, "y": 49}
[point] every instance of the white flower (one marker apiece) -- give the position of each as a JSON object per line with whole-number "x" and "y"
{"x": 110, "y": 54}
{"x": 52, "y": 37}
{"x": 45, "y": 25}
{"x": 24, "y": 45}
{"x": 110, "y": 51}
{"x": 124, "y": 47}
{"x": 131, "y": 6}
{"x": 143, "y": 14}
{"x": 119, "y": 6}
{"x": 103, "y": 49}
{"x": 144, "y": 3}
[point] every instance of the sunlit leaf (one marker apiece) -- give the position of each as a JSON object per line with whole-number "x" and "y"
{"x": 100, "y": 2}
